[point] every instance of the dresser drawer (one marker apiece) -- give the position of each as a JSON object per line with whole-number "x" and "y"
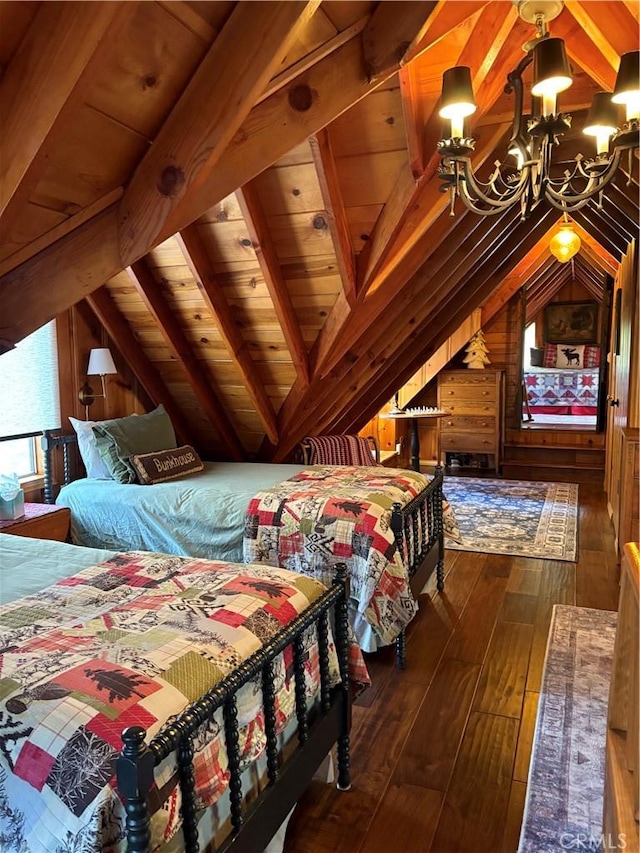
{"x": 469, "y": 425}
{"x": 467, "y": 392}
{"x": 465, "y": 443}
{"x": 468, "y": 377}
{"x": 457, "y": 408}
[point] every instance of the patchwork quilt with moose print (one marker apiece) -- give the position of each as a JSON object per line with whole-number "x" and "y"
{"x": 329, "y": 514}
{"x": 133, "y": 641}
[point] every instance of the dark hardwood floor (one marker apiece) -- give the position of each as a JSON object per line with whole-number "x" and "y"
{"x": 440, "y": 752}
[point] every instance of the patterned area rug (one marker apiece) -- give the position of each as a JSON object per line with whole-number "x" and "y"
{"x": 564, "y": 805}
{"x": 514, "y": 517}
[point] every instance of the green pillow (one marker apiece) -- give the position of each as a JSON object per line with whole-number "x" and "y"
{"x": 121, "y": 438}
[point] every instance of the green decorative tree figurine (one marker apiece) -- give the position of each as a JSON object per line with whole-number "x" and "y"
{"x": 476, "y": 350}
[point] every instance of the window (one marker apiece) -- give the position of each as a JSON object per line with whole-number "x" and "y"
{"x": 30, "y": 395}
{"x": 529, "y": 343}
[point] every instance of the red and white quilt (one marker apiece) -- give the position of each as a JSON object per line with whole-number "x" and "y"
{"x": 562, "y": 390}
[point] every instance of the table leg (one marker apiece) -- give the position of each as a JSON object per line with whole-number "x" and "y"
{"x": 415, "y": 445}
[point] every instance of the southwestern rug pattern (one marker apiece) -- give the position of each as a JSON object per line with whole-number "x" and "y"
{"x": 514, "y": 517}
{"x": 564, "y": 804}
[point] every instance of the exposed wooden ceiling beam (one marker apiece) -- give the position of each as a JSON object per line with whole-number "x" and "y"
{"x": 377, "y": 385}
{"x": 199, "y": 379}
{"x": 583, "y": 51}
{"x": 262, "y": 243}
{"x": 493, "y": 28}
{"x": 48, "y": 66}
{"x": 607, "y": 236}
{"x": 81, "y": 262}
{"x": 334, "y": 205}
{"x": 147, "y": 375}
{"x": 242, "y": 59}
{"x": 406, "y": 21}
{"x": 196, "y": 256}
{"x": 445, "y": 18}
{"x": 413, "y": 119}
{"x": 609, "y": 26}
{"x": 335, "y": 339}
{"x": 360, "y": 369}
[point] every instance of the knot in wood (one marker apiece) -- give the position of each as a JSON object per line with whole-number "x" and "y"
{"x": 149, "y": 81}
{"x": 171, "y": 181}
{"x": 301, "y": 98}
{"x": 246, "y": 242}
{"x": 319, "y": 222}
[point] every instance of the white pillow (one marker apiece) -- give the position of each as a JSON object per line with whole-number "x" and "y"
{"x": 93, "y": 462}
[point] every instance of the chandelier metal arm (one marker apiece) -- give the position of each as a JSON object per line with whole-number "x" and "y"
{"x": 595, "y": 186}
{"x": 501, "y": 200}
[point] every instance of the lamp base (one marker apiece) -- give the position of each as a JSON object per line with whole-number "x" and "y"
{"x": 86, "y": 395}
{"x": 456, "y": 147}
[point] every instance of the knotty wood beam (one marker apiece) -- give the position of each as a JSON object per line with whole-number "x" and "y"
{"x": 496, "y": 36}
{"x": 41, "y": 77}
{"x": 241, "y": 61}
{"x": 405, "y": 21}
{"x": 120, "y": 332}
{"x": 334, "y": 340}
{"x": 445, "y": 18}
{"x": 583, "y": 51}
{"x": 327, "y": 397}
{"x": 79, "y": 263}
{"x": 413, "y": 119}
{"x": 262, "y": 243}
{"x": 396, "y": 365}
{"x": 150, "y": 291}
{"x": 608, "y": 26}
{"x": 332, "y": 197}
{"x": 196, "y": 256}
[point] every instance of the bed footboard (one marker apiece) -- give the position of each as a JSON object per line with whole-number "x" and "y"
{"x": 317, "y": 733}
{"x": 419, "y": 531}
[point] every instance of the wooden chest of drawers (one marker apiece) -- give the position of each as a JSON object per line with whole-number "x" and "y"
{"x": 473, "y": 401}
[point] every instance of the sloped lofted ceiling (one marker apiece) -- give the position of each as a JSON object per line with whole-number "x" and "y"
{"x": 246, "y": 196}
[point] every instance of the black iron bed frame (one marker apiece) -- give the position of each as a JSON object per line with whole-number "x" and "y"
{"x": 317, "y": 732}
{"x": 418, "y": 526}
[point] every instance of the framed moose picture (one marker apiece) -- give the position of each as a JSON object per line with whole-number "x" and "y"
{"x": 571, "y": 322}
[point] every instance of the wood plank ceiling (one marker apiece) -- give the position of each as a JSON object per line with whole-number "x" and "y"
{"x": 245, "y": 194}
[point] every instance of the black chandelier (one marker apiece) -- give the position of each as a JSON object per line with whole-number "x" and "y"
{"x": 531, "y": 178}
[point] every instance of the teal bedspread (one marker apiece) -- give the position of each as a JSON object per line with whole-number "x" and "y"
{"x": 201, "y": 515}
{"x": 29, "y": 565}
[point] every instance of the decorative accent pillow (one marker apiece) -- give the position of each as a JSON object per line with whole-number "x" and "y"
{"x": 166, "y": 464}
{"x": 550, "y": 352}
{"x": 591, "y": 356}
{"x": 570, "y": 355}
{"x": 91, "y": 459}
{"x": 119, "y": 439}
{"x": 536, "y": 356}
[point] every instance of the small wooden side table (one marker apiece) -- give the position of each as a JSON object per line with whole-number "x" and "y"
{"x": 413, "y": 415}
{"x": 40, "y": 521}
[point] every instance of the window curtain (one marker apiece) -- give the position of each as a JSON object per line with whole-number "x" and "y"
{"x": 29, "y": 387}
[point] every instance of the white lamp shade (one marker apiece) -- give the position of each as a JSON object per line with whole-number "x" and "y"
{"x": 100, "y": 362}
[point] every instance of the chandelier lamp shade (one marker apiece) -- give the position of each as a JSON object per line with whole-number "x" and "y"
{"x": 565, "y": 243}
{"x": 529, "y": 174}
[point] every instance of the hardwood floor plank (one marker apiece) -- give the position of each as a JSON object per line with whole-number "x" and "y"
{"x": 504, "y": 673}
{"x": 525, "y": 737}
{"x": 430, "y": 750}
{"x": 557, "y": 586}
{"x": 523, "y": 579}
{"x": 515, "y": 812}
{"x": 475, "y": 809}
{"x": 596, "y": 581}
{"x": 471, "y": 637}
{"x": 518, "y": 607}
{"x": 405, "y": 821}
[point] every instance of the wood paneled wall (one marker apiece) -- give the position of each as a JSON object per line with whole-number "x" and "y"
{"x": 503, "y": 337}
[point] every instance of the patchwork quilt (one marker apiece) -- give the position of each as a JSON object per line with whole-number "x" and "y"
{"x": 327, "y": 514}
{"x": 132, "y": 641}
{"x": 562, "y": 387}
